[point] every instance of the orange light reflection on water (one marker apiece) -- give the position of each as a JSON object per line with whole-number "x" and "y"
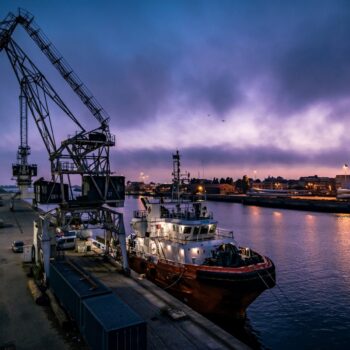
{"x": 310, "y": 223}
{"x": 342, "y": 236}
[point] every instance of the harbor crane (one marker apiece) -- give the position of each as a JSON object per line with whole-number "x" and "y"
{"x": 85, "y": 154}
{"x": 22, "y": 170}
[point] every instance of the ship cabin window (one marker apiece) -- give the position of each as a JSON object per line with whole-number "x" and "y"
{"x": 212, "y": 229}
{"x": 196, "y": 230}
{"x": 187, "y": 230}
{"x": 204, "y": 230}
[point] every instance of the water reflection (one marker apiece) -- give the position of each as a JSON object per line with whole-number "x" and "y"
{"x": 342, "y": 236}
{"x": 311, "y": 252}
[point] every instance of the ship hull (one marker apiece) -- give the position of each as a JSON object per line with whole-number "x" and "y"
{"x": 216, "y": 292}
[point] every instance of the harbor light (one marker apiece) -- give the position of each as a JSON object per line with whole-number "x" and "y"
{"x": 195, "y": 251}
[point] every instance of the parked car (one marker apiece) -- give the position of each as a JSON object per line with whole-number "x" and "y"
{"x": 17, "y": 246}
{"x": 64, "y": 242}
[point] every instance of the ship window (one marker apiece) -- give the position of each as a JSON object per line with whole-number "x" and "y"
{"x": 204, "y": 230}
{"x": 212, "y": 228}
{"x": 187, "y": 229}
{"x": 196, "y": 230}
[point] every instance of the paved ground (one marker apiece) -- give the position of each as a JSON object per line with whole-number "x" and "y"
{"x": 28, "y": 326}
{"x": 194, "y": 332}
{"x": 22, "y": 322}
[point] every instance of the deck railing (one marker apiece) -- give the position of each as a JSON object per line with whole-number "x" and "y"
{"x": 184, "y": 215}
{"x": 224, "y": 233}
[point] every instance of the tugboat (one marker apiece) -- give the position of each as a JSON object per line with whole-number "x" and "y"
{"x": 177, "y": 245}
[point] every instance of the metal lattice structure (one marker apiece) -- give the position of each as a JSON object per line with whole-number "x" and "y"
{"x": 86, "y": 154}
{"x": 22, "y": 170}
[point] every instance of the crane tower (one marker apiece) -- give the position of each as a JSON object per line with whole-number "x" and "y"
{"x": 22, "y": 170}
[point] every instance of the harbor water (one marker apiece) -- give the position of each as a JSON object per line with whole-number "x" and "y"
{"x": 310, "y": 306}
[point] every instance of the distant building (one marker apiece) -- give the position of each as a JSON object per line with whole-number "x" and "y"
{"x": 135, "y": 186}
{"x": 318, "y": 184}
{"x": 274, "y": 183}
{"x": 209, "y": 188}
{"x": 163, "y": 189}
{"x": 342, "y": 181}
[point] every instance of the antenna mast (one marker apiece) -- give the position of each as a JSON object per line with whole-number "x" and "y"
{"x": 176, "y": 176}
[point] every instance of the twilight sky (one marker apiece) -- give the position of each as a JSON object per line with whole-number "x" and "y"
{"x": 236, "y": 86}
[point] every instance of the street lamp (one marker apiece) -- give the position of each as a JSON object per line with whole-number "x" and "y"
{"x": 346, "y": 169}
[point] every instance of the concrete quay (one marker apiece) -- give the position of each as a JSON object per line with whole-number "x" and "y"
{"x": 306, "y": 203}
{"x": 23, "y": 324}
{"x": 316, "y": 204}
{"x": 170, "y": 323}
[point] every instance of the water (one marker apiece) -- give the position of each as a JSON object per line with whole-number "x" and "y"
{"x": 310, "y": 307}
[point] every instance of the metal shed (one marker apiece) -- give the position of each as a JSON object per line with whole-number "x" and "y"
{"x": 71, "y": 285}
{"x": 108, "y": 323}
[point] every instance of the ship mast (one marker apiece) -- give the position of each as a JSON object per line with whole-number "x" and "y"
{"x": 175, "y": 193}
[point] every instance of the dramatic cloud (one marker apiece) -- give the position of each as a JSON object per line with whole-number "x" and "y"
{"x": 315, "y": 67}
{"x": 227, "y": 156}
{"x": 231, "y": 83}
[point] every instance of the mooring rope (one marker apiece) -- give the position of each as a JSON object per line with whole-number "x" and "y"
{"x": 280, "y": 289}
{"x": 267, "y": 286}
{"x": 178, "y": 279}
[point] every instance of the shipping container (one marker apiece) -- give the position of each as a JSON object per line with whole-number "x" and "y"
{"x": 107, "y": 323}
{"x": 71, "y": 285}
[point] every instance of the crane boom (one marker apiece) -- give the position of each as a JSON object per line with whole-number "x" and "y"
{"x": 26, "y": 20}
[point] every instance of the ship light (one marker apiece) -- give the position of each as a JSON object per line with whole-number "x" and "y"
{"x": 182, "y": 253}
{"x": 168, "y": 247}
{"x": 195, "y": 251}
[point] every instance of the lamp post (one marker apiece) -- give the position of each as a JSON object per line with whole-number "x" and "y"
{"x": 346, "y": 169}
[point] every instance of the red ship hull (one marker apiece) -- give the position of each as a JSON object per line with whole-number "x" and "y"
{"x": 214, "y": 291}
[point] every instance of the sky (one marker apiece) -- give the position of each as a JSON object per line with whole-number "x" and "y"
{"x": 238, "y": 87}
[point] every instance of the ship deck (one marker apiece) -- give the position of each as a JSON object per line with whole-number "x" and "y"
{"x": 170, "y": 323}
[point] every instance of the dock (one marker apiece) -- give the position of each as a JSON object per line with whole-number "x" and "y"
{"x": 170, "y": 323}
{"x": 307, "y": 203}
